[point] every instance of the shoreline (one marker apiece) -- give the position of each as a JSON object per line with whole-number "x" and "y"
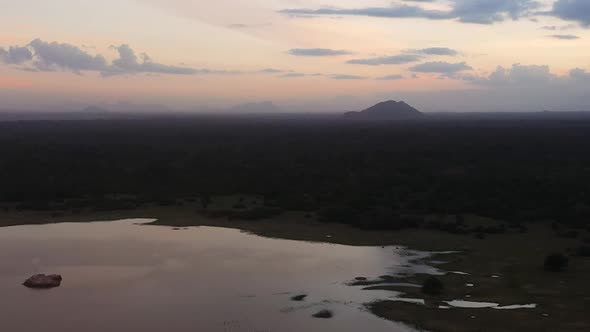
{"x": 515, "y": 258}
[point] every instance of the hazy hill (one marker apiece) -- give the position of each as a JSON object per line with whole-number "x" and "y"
{"x": 391, "y": 109}
{"x": 94, "y": 109}
{"x": 253, "y": 108}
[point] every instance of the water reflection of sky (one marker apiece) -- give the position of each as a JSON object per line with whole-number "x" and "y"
{"x": 119, "y": 276}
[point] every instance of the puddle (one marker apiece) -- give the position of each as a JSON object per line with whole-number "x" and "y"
{"x": 408, "y": 300}
{"x": 484, "y": 305}
{"x": 470, "y": 304}
{"x": 513, "y": 307}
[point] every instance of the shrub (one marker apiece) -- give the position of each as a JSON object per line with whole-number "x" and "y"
{"x": 239, "y": 206}
{"x": 338, "y": 214}
{"x": 584, "y": 251}
{"x": 556, "y": 263}
{"x": 432, "y": 286}
{"x": 571, "y": 234}
{"x": 258, "y": 213}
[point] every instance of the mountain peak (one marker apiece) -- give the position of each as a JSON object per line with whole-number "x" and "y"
{"x": 391, "y": 109}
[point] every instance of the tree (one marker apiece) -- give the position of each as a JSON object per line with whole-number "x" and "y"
{"x": 556, "y": 263}
{"x": 432, "y": 286}
{"x": 205, "y": 200}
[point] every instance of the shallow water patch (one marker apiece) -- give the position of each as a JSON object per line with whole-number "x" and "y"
{"x": 485, "y": 305}
{"x": 201, "y": 278}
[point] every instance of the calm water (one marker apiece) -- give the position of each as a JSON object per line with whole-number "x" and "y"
{"x": 120, "y": 276}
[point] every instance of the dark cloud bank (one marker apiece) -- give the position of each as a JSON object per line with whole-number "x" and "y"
{"x": 465, "y": 11}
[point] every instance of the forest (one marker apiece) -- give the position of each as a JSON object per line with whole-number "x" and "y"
{"x": 370, "y": 174}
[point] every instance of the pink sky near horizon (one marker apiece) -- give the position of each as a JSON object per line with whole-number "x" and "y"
{"x": 248, "y": 37}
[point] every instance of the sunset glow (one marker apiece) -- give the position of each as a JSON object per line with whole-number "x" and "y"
{"x": 304, "y": 55}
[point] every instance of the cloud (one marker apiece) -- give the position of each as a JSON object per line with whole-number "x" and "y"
{"x": 293, "y": 75}
{"x": 271, "y": 71}
{"x": 466, "y": 11}
{"x": 440, "y": 67}
{"x": 248, "y": 26}
{"x": 39, "y": 55}
{"x": 59, "y": 56}
{"x": 402, "y": 11}
{"x": 550, "y": 27}
{"x": 559, "y": 28}
{"x": 387, "y": 60}
{"x": 517, "y": 75}
{"x": 491, "y": 11}
{"x": 580, "y": 75}
{"x": 519, "y": 87}
{"x": 564, "y": 37}
{"x": 317, "y": 52}
{"x": 128, "y": 63}
{"x": 347, "y": 77}
{"x": 572, "y": 10}
{"x": 15, "y": 55}
{"x": 407, "y": 56}
{"x": 390, "y": 78}
{"x": 438, "y": 51}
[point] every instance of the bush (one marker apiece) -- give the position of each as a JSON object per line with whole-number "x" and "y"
{"x": 583, "y": 251}
{"x": 258, "y": 213}
{"x": 432, "y": 286}
{"x": 239, "y": 206}
{"x": 556, "y": 263}
{"x": 495, "y": 229}
{"x": 380, "y": 219}
{"x": 338, "y": 214}
{"x": 569, "y": 234}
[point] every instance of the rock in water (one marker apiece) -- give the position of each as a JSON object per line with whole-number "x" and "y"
{"x": 325, "y": 314}
{"x": 43, "y": 281}
{"x": 299, "y": 298}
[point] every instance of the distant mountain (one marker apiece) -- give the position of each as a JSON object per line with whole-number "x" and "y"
{"x": 94, "y": 109}
{"x": 388, "y": 110}
{"x": 252, "y": 108}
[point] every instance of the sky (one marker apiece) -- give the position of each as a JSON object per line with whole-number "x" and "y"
{"x": 303, "y": 55}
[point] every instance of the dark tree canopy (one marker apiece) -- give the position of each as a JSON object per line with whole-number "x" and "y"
{"x": 376, "y": 175}
{"x": 556, "y": 263}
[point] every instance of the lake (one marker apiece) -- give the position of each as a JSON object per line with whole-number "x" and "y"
{"x": 123, "y": 276}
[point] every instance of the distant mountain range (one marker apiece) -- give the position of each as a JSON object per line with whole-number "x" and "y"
{"x": 94, "y": 109}
{"x": 254, "y": 108}
{"x": 388, "y": 110}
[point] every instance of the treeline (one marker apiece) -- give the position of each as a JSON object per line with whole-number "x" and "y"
{"x": 356, "y": 172}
